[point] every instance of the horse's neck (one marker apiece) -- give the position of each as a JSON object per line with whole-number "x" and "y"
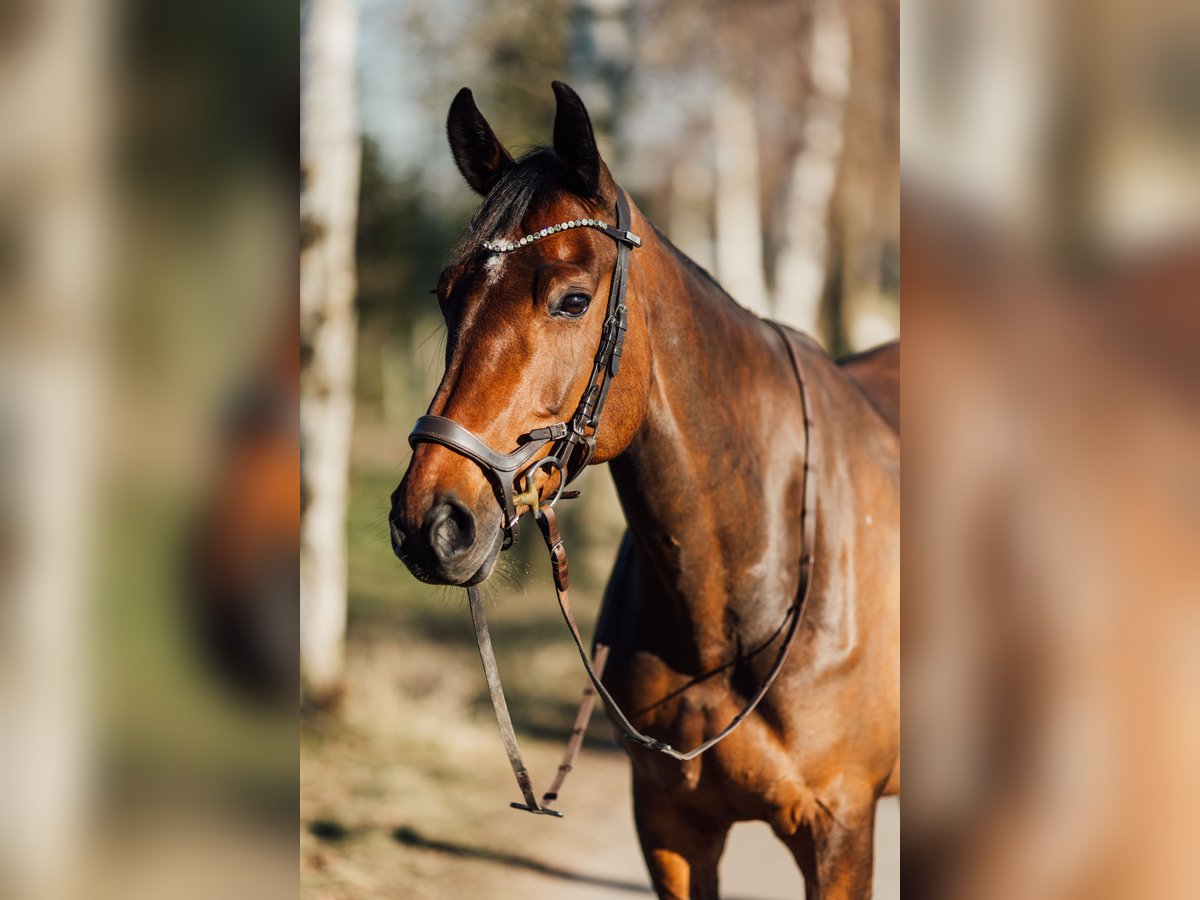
{"x": 698, "y": 517}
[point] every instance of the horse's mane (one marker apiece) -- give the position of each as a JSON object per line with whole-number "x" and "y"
{"x": 536, "y": 174}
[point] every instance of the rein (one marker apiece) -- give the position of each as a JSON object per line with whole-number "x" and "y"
{"x": 573, "y": 444}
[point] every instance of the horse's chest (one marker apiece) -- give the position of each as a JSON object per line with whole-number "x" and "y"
{"x": 749, "y": 774}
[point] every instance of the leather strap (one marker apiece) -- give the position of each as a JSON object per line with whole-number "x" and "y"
{"x": 507, "y": 735}
{"x": 449, "y": 433}
{"x": 579, "y": 444}
{"x": 812, "y": 459}
{"x": 578, "y": 730}
{"x": 548, "y": 525}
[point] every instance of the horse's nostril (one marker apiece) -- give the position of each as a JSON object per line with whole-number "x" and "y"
{"x": 451, "y": 529}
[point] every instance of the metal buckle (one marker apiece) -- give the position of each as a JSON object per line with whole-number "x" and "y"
{"x": 530, "y": 497}
{"x": 579, "y": 424}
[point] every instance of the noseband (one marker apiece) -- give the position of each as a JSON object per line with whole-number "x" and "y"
{"x": 573, "y": 441}
{"x": 572, "y": 446}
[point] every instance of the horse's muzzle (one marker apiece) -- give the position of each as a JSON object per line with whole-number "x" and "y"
{"x": 450, "y": 545}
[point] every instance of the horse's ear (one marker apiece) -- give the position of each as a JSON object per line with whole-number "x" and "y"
{"x": 481, "y": 157}
{"x": 575, "y": 142}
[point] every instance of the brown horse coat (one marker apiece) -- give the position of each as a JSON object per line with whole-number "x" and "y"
{"x": 704, "y": 431}
{"x": 706, "y": 577}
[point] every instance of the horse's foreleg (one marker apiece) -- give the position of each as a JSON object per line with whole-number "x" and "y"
{"x": 840, "y": 845}
{"x": 682, "y": 851}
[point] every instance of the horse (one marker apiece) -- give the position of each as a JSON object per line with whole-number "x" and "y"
{"x": 705, "y": 436}
{"x": 242, "y": 556}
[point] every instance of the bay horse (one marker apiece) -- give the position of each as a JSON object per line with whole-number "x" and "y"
{"x": 704, "y": 432}
{"x": 243, "y": 558}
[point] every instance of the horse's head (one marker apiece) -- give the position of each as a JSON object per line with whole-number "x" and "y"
{"x": 523, "y": 327}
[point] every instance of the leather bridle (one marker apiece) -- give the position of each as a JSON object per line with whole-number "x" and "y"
{"x": 573, "y": 444}
{"x": 573, "y": 441}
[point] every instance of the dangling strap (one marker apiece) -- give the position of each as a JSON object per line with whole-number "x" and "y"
{"x": 507, "y": 735}
{"x": 578, "y": 730}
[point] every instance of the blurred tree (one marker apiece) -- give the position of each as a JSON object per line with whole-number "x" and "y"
{"x": 600, "y": 61}
{"x": 413, "y": 204}
{"x": 795, "y": 172}
{"x": 507, "y": 53}
{"x": 802, "y": 259}
{"x": 329, "y": 147}
{"x": 738, "y": 212}
{"x": 55, "y": 226}
{"x": 867, "y": 203}
{"x": 402, "y": 240}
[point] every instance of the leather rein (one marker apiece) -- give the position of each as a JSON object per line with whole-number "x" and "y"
{"x": 572, "y": 446}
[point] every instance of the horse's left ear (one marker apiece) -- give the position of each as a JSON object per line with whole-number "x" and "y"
{"x": 575, "y": 142}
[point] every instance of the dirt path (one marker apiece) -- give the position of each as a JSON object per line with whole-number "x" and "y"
{"x": 385, "y": 816}
{"x": 499, "y": 854}
{"x": 597, "y": 852}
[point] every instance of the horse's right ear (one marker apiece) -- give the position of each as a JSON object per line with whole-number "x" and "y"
{"x": 575, "y": 142}
{"x": 481, "y": 157}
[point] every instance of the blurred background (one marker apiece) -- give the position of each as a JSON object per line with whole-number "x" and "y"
{"x": 761, "y": 137}
{"x": 148, "y": 449}
{"x": 1051, "y": 164}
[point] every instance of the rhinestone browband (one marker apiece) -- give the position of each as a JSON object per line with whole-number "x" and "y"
{"x": 509, "y": 246}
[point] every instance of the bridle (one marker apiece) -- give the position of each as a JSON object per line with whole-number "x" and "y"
{"x": 573, "y": 444}
{"x": 573, "y": 441}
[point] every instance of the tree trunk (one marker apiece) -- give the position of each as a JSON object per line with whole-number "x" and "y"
{"x": 601, "y": 59}
{"x": 801, "y": 267}
{"x": 52, "y": 345}
{"x": 330, "y": 156}
{"x": 869, "y": 202}
{"x": 689, "y": 222}
{"x": 738, "y": 211}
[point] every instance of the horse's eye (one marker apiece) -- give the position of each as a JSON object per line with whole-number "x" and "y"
{"x": 573, "y": 305}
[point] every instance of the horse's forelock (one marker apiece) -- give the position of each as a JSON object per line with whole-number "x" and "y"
{"x": 535, "y": 175}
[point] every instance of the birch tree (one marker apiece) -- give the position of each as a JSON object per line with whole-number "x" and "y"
{"x": 868, "y": 192}
{"x": 55, "y": 104}
{"x": 739, "y": 221}
{"x": 801, "y": 267}
{"x": 330, "y": 157}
